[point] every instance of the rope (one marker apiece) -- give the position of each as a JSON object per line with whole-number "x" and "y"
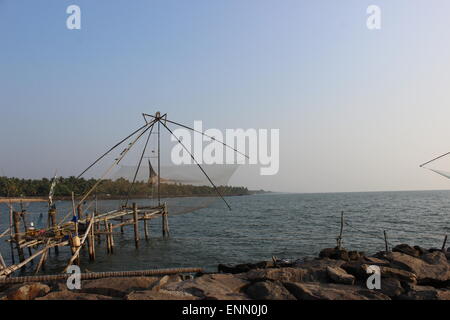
{"x": 99, "y": 275}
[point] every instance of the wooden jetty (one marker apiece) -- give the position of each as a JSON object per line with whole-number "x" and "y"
{"x": 77, "y": 234}
{"x": 88, "y": 227}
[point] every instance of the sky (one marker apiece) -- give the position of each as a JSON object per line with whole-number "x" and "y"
{"x": 357, "y": 109}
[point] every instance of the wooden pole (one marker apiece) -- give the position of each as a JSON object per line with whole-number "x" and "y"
{"x": 145, "y": 229}
{"x": 90, "y": 241}
{"x": 18, "y": 238}
{"x": 386, "y": 241}
{"x": 25, "y": 226}
{"x": 42, "y": 260}
{"x": 121, "y": 219}
{"x": 165, "y": 221}
{"x": 11, "y": 233}
{"x": 136, "y": 225}
{"x": 52, "y": 220}
{"x": 445, "y": 242}
{"x": 339, "y": 239}
{"x": 111, "y": 237}
{"x": 2, "y": 262}
{"x": 80, "y": 211}
{"x": 107, "y": 237}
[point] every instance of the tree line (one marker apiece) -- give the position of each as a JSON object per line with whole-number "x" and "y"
{"x": 15, "y": 187}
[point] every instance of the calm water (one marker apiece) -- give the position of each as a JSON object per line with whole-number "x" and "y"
{"x": 260, "y": 226}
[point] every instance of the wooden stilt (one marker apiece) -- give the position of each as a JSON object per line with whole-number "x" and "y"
{"x": 80, "y": 211}
{"x": 107, "y": 237}
{"x": 145, "y": 229}
{"x": 111, "y": 237}
{"x": 25, "y": 229}
{"x": 90, "y": 240}
{"x": 42, "y": 260}
{"x": 2, "y": 262}
{"x": 52, "y": 222}
{"x": 339, "y": 238}
{"x": 121, "y": 220}
{"x": 136, "y": 225}
{"x": 386, "y": 241}
{"x": 165, "y": 221}
{"x": 17, "y": 236}
{"x": 11, "y": 233}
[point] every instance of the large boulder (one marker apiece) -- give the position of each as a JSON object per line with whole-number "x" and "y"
{"x": 334, "y": 253}
{"x": 212, "y": 286}
{"x": 160, "y": 295}
{"x": 432, "y": 268}
{"x": 26, "y": 291}
{"x": 406, "y": 249}
{"x": 339, "y": 275}
{"x": 391, "y": 287}
{"x": 426, "y": 293}
{"x": 244, "y": 267}
{"x": 71, "y": 295}
{"x": 117, "y": 287}
{"x": 278, "y": 274}
{"x": 307, "y": 271}
{"x": 268, "y": 290}
{"x": 321, "y": 291}
{"x": 401, "y": 275}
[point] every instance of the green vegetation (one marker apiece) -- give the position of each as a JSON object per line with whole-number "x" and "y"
{"x": 14, "y": 187}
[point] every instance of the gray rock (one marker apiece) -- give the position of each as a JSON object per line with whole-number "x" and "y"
{"x": 117, "y": 287}
{"x": 307, "y": 271}
{"x": 268, "y": 290}
{"x": 406, "y": 249}
{"x": 432, "y": 268}
{"x": 321, "y": 291}
{"x": 391, "y": 287}
{"x": 26, "y": 291}
{"x": 427, "y": 293}
{"x": 339, "y": 275}
{"x": 212, "y": 286}
{"x": 160, "y": 295}
{"x": 70, "y": 295}
{"x": 334, "y": 253}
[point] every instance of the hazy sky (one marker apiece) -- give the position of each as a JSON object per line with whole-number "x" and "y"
{"x": 358, "y": 110}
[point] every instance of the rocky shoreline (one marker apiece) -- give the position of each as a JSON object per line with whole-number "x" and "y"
{"x": 407, "y": 273}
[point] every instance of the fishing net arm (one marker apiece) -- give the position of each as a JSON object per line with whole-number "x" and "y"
{"x": 139, "y": 164}
{"x": 200, "y": 167}
{"x": 441, "y": 156}
{"x": 112, "y": 148}
{"x": 208, "y": 136}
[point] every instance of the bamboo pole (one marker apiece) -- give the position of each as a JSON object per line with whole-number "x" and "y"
{"x": 107, "y": 237}
{"x": 2, "y": 262}
{"x": 145, "y": 229}
{"x": 165, "y": 221}
{"x": 25, "y": 225}
{"x": 80, "y": 211}
{"x": 111, "y": 237}
{"x": 52, "y": 219}
{"x": 16, "y": 267}
{"x": 136, "y": 225}
{"x": 42, "y": 259}
{"x": 18, "y": 238}
{"x": 11, "y": 233}
{"x": 77, "y": 252}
